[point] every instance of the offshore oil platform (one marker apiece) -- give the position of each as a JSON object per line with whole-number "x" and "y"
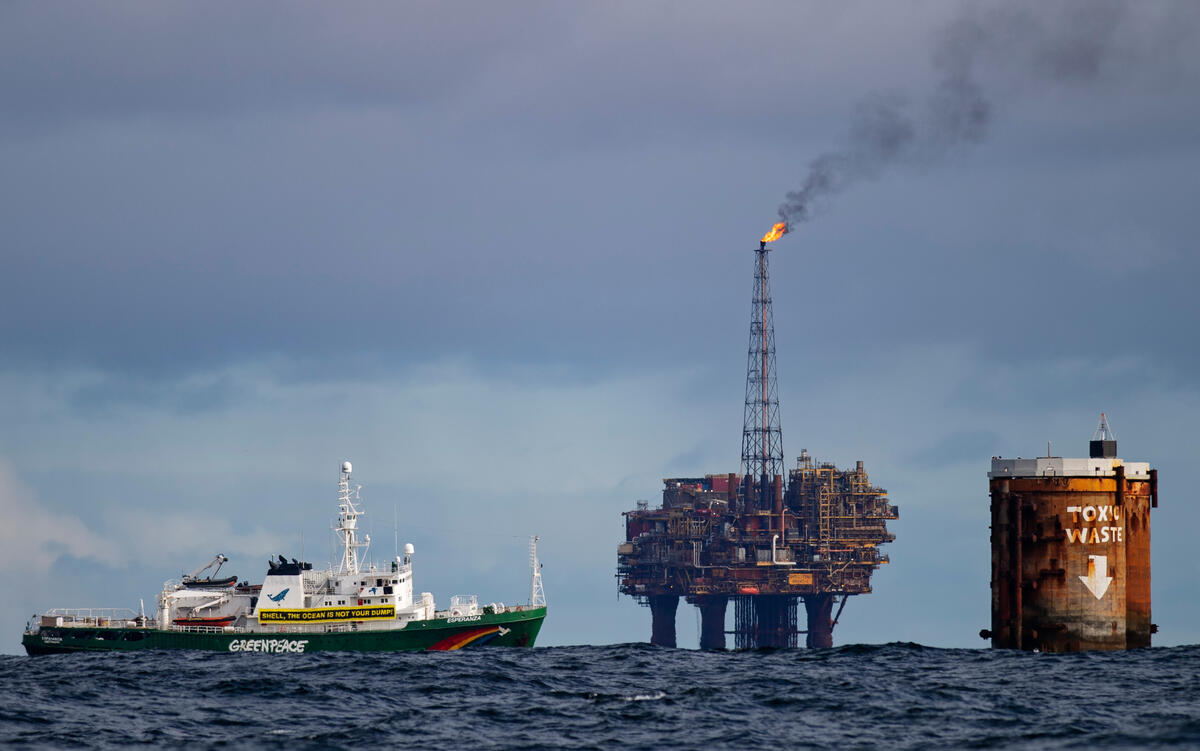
{"x": 758, "y": 538}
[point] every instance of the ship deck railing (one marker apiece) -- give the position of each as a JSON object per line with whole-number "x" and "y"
{"x": 93, "y": 618}
{"x": 499, "y": 609}
{"x": 207, "y": 629}
{"x": 517, "y": 608}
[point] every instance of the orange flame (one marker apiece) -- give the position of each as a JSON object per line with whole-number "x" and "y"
{"x": 778, "y": 231}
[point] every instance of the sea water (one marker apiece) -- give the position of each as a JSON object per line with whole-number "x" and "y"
{"x": 607, "y": 697}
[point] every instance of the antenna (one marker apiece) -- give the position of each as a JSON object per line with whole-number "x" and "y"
{"x": 1103, "y": 432}
{"x": 1104, "y": 442}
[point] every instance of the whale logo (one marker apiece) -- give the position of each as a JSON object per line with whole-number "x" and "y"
{"x": 280, "y": 596}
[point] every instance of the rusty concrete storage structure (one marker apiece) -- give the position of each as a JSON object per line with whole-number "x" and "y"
{"x": 1071, "y": 551}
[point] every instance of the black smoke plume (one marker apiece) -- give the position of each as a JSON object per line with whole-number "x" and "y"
{"x": 1067, "y": 43}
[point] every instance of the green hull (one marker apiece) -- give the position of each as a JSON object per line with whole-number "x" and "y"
{"x": 516, "y": 629}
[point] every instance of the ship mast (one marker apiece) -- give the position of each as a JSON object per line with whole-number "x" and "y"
{"x": 347, "y": 528}
{"x": 537, "y": 595}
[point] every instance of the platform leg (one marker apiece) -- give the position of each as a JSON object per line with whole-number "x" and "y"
{"x": 712, "y": 622}
{"x": 820, "y": 620}
{"x": 662, "y": 612}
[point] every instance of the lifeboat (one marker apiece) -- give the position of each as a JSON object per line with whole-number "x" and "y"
{"x": 228, "y": 581}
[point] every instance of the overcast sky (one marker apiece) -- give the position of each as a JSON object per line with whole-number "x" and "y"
{"x": 498, "y": 255}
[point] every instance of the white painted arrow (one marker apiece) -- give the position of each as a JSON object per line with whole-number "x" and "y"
{"x": 1097, "y": 579}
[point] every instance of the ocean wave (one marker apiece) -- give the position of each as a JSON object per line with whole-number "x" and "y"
{"x": 899, "y": 695}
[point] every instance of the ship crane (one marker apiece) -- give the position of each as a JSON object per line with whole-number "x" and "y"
{"x": 218, "y": 561}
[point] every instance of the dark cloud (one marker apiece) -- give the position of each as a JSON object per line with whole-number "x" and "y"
{"x": 534, "y": 70}
{"x": 211, "y": 188}
{"x": 60, "y": 67}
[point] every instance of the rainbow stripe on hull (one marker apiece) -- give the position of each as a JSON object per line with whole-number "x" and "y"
{"x": 475, "y": 637}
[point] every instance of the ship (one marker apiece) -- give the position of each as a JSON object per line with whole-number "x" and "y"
{"x": 351, "y": 606}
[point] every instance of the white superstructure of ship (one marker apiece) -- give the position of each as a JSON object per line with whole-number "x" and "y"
{"x": 294, "y": 597}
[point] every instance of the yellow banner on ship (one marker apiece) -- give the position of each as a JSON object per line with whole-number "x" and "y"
{"x": 325, "y": 615}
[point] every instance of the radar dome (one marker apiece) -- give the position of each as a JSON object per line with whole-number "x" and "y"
{"x": 346, "y": 467}
{"x": 408, "y": 548}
